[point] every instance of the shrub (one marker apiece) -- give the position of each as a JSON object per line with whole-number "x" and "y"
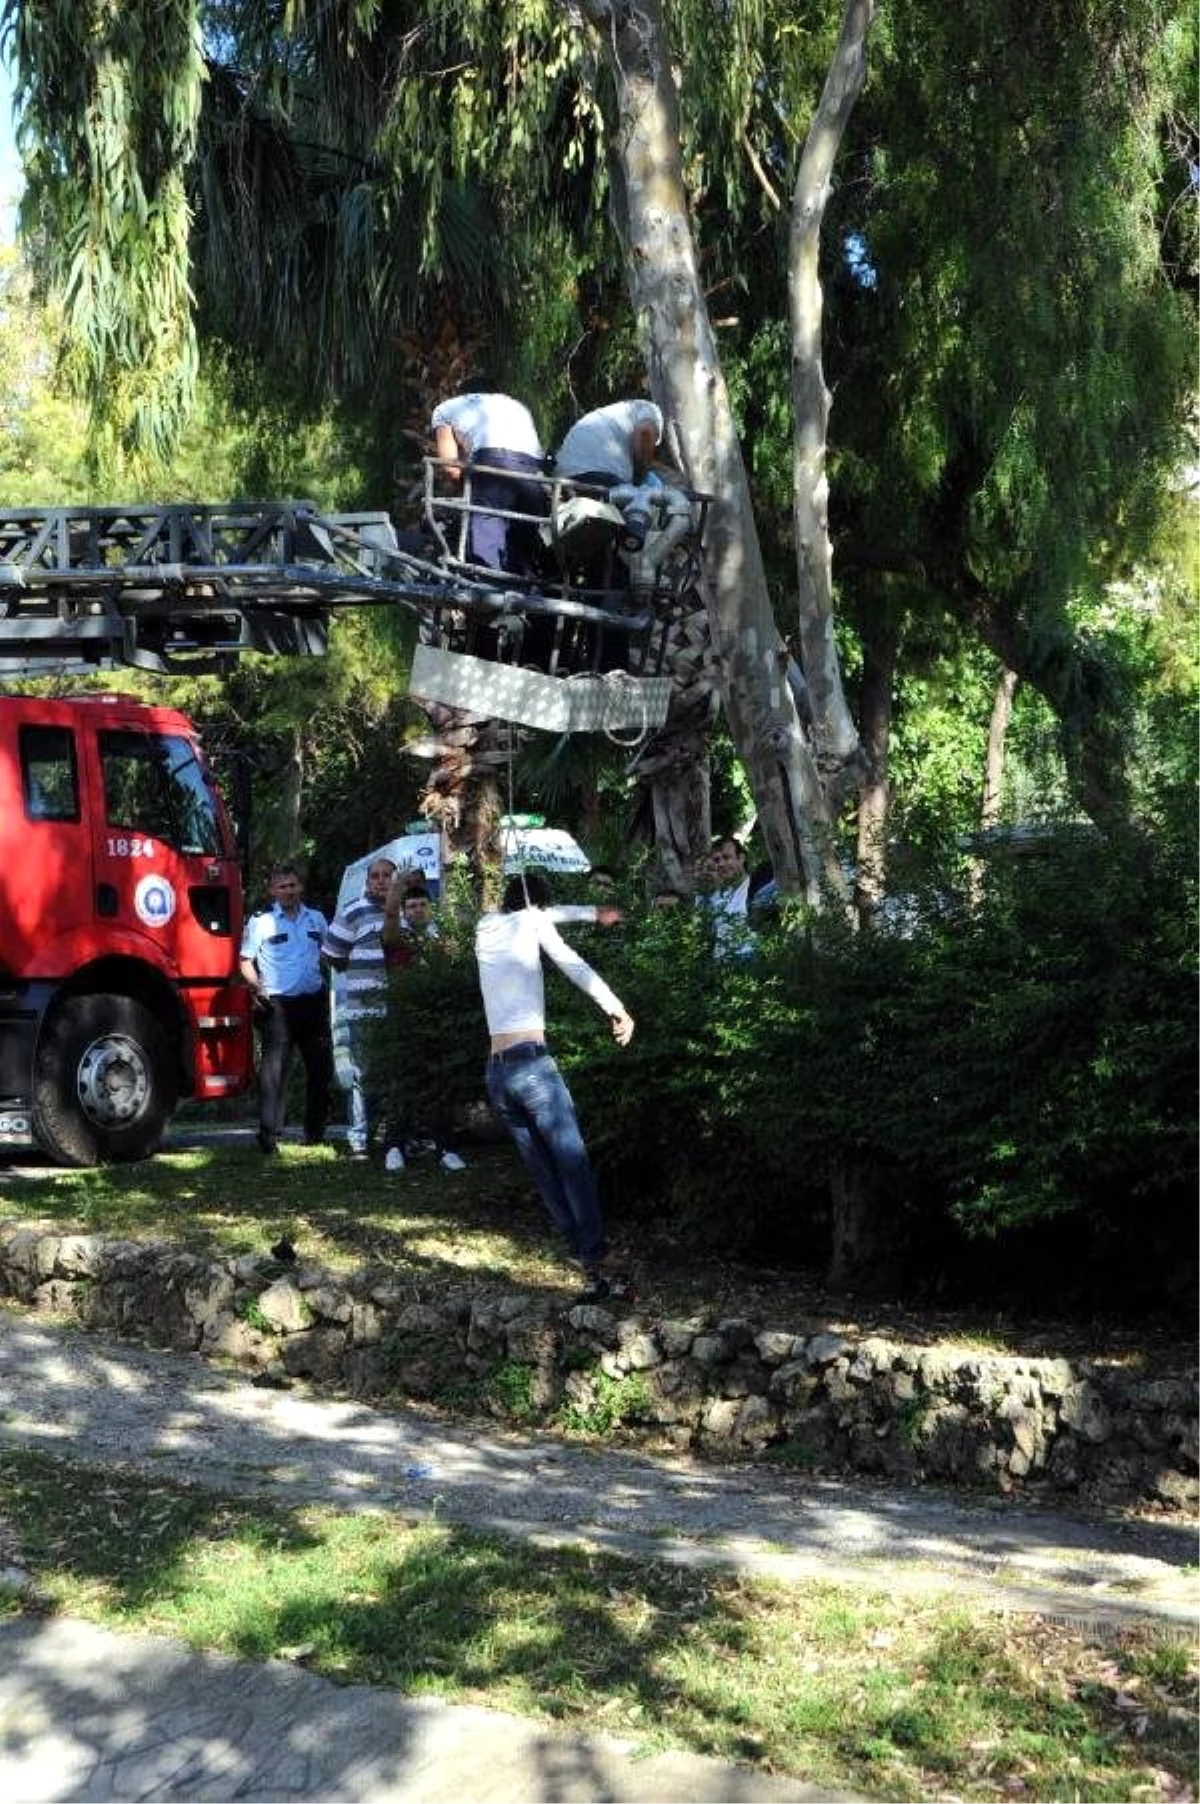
{"x": 1018, "y": 1074}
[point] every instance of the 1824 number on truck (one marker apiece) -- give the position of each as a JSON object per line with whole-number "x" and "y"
{"x": 120, "y": 924}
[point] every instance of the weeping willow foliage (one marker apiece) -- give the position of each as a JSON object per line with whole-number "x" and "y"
{"x": 321, "y": 170}
{"x": 110, "y": 95}
{"x": 1034, "y": 346}
{"x": 311, "y": 169}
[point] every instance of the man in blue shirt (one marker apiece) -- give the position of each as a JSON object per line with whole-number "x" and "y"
{"x": 281, "y": 963}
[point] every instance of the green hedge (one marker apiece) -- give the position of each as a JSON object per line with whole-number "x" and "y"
{"x": 1021, "y": 1073}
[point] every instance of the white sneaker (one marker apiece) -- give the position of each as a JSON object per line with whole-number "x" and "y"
{"x": 452, "y": 1162}
{"x": 394, "y": 1159}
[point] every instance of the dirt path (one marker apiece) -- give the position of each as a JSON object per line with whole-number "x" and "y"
{"x": 115, "y": 1405}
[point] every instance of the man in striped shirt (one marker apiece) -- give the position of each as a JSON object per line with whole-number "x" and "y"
{"x": 353, "y": 944}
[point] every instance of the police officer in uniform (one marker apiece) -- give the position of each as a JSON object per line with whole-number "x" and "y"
{"x": 281, "y": 963}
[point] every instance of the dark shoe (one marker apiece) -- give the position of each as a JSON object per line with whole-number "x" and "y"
{"x": 266, "y": 1144}
{"x": 618, "y": 1289}
{"x": 314, "y": 1139}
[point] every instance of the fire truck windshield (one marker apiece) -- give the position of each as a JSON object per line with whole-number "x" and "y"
{"x": 154, "y": 784}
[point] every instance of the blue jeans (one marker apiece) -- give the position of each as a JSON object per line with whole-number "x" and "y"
{"x": 364, "y": 1104}
{"x": 527, "y": 1092}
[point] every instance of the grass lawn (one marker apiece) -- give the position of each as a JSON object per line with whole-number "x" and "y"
{"x": 849, "y": 1687}
{"x": 434, "y": 1229}
{"x": 482, "y": 1228}
{"x": 895, "y": 1699}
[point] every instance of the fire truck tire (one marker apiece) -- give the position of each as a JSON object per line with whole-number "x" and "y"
{"x": 104, "y": 1081}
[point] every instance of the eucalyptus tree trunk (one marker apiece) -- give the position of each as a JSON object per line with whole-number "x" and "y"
{"x": 998, "y": 725}
{"x": 281, "y": 837}
{"x": 881, "y": 645}
{"x": 839, "y": 755}
{"x": 1079, "y": 688}
{"x": 651, "y": 217}
{"x": 993, "y": 772}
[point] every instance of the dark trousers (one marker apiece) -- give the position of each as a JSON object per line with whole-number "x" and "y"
{"x": 295, "y": 1024}
{"x": 509, "y": 545}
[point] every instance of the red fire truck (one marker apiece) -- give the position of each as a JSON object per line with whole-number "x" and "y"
{"x": 120, "y": 899}
{"x": 120, "y": 923}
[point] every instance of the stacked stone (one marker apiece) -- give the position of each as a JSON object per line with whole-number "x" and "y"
{"x": 1092, "y": 1428}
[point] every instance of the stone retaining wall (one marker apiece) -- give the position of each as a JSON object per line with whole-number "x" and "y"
{"x": 1094, "y": 1429}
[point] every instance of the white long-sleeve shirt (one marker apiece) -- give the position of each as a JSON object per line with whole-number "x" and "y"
{"x": 509, "y": 950}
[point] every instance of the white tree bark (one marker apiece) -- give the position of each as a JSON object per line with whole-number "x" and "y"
{"x": 997, "y": 739}
{"x": 993, "y": 773}
{"x": 839, "y": 754}
{"x": 652, "y": 220}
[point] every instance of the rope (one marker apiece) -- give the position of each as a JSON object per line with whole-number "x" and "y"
{"x": 621, "y": 679}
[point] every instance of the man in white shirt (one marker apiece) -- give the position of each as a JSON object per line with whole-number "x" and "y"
{"x": 498, "y": 433}
{"x": 728, "y": 900}
{"x": 524, "y": 1085}
{"x": 612, "y": 444}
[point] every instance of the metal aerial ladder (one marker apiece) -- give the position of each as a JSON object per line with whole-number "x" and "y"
{"x": 579, "y": 645}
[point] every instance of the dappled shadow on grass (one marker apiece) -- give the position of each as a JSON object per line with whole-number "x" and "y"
{"x": 483, "y": 1228}
{"x": 849, "y": 1687}
{"x": 436, "y": 1228}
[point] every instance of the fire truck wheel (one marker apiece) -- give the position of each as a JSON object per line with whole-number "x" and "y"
{"x": 104, "y": 1081}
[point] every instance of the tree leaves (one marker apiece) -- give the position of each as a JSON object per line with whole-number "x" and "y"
{"x": 111, "y": 98}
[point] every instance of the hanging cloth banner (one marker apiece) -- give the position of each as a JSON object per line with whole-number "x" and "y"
{"x": 549, "y": 848}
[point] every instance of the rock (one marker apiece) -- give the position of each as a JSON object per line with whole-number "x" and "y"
{"x": 638, "y": 1352}
{"x": 58, "y": 1296}
{"x": 209, "y": 1294}
{"x": 793, "y": 1383}
{"x": 677, "y": 1390}
{"x": 737, "y": 1332}
{"x": 590, "y": 1319}
{"x": 315, "y": 1353}
{"x": 1083, "y": 1411}
{"x": 485, "y": 1330}
{"x": 284, "y": 1307}
{"x": 79, "y": 1254}
{"x": 1176, "y": 1487}
{"x": 823, "y": 1349}
{"x": 228, "y": 1338}
{"x": 675, "y": 1338}
{"x": 419, "y": 1318}
{"x": 30, "y": 1252}
{"x": 774, "y": 1346}
{"x": 718, "y": 1419}
{"x": 366, "y": 1325}
{"x": 329, "y": 1303}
